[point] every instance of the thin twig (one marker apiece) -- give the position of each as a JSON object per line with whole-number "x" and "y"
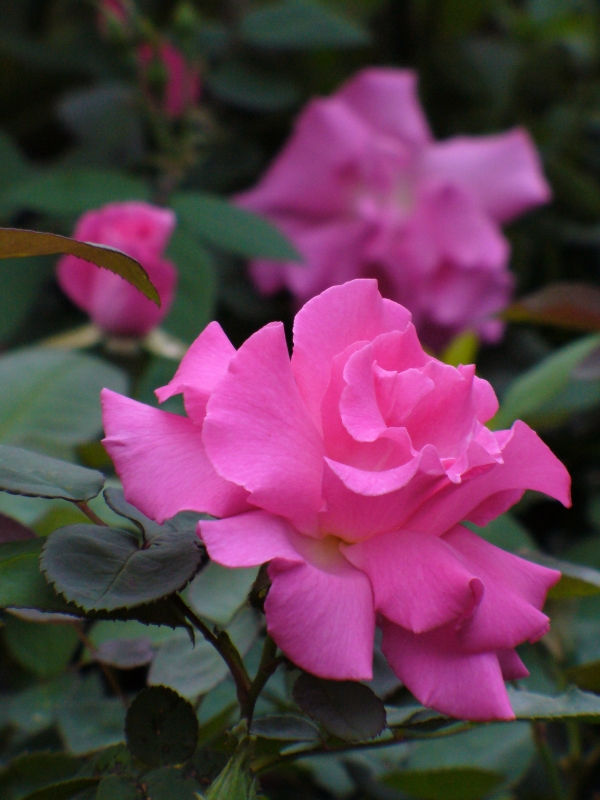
{"x": 83, "y": 506}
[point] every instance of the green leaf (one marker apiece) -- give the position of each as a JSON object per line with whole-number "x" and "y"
{"x": 299, "y": 25}
{"x": 217, "y": 592}
{"x": 168, "y": 783}
{"x": 540, "y": 384}
{"x": 506, "y": 532}
{"x": 113, "y": 787}
{"x": 348, "y": 710}
{"x": 22, "y": 585}
{"x": 446, "y": 783}
{"x": 496, "y": 747}
{"x": 51, "y": 398}
{"x": 572, "y": 704}
{"x": 36, "y": 475}
{"x": 34, "y": 709}
{"x": 286, "y": 727}
{"x": 16, "y": 243}
{"x": 63, "y": 790}
{"x": 250, "y": 87}
{"x": 196, "y": 669}
{"x": 230, "y": 228}
{"x": 98, "y": 567}
{"x": 161, "y": 727}
{"x": 235, "y": 782}
{"x": 43, "y": 648}
{"x": 88, "y": 719}
{"x": 30, "y": 772}
{"x": 196, "y": 295}
{"x": 72, "y": 191}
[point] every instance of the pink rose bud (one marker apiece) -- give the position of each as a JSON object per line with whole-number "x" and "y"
{"x": 168, "y": 79}
{"x": 350, "y": 468}
{"x": 141, "y": 231}
{"x": 363, "y": 189}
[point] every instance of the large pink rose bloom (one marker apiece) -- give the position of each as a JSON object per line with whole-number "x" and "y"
{"x": 350, "y": 469}
{"x": 362, "y": 189}
{"x": 182, "y": 85}
{"x": 141, "y": 231}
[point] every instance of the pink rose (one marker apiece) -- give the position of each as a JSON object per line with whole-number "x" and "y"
{"x": 362, "y": 189}
{"x": 180, "y": 84}
{"x": 350, "y": 469}
{"x": 140, "y": 230}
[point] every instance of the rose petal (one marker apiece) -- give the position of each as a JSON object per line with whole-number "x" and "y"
{"x": 200, "y": 370}
{"x": 327, "y": 324}
{"x": 503, "y": 170}
{"x": 321, "y": 615}
{"x": 387, "y": 100}
{"x": 328, "y": 140}
{"x": 418, "y": 582}
{"x": 161, "y": 460}
{"x": 443, "y": 676}
{"x": 515, "y": 590}
{"x": 528, "y": 464}
{"x": 513, "y": 669}
{"x": 258, "y": 434}
{"x": 250, "y": 539}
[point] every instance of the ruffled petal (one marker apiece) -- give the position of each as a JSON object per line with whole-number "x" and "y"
{"x": 327, "y": 324}
{"x": 321, "y": 615}
{"x": 258, "y": 434}
{"x": 200, "y": 370}
{"x": 515, "y": 591}
{"x": 527, "y": 464}
{"x": 502, "y": 171}
{"x": 440, "y": 674}
{"x": 354, "y": 517}
{"x": 250, "y": 539}
{"x": 417, "y": 580}
{"x": 161, "y": 460}
{"x": 387, "y": 100}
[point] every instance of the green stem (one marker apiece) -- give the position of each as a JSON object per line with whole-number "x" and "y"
{"x": 226, "y": 649}
{"x": 394, "y": 735}
{"x": 83, "y": 506}
{"x": 268, "y": 664}
{"x": 548, "y": 760}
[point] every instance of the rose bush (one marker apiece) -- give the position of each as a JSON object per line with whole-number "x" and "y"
{"x": 350, "y": 469}
{"x": 142, "y": 231}
{"x": 362, "y": 189}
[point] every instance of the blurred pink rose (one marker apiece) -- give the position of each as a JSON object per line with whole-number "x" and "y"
{"x": 180, "y": 80}
{"x": 140, "y": 230}
{"x": 362, "y": 189}
{"x": 350, "y": 470}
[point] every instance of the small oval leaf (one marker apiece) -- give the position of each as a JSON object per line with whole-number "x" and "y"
{"x": 101, "y": 568}
{"x": 348, "y": 710}
{"x": 161, "y": 727}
